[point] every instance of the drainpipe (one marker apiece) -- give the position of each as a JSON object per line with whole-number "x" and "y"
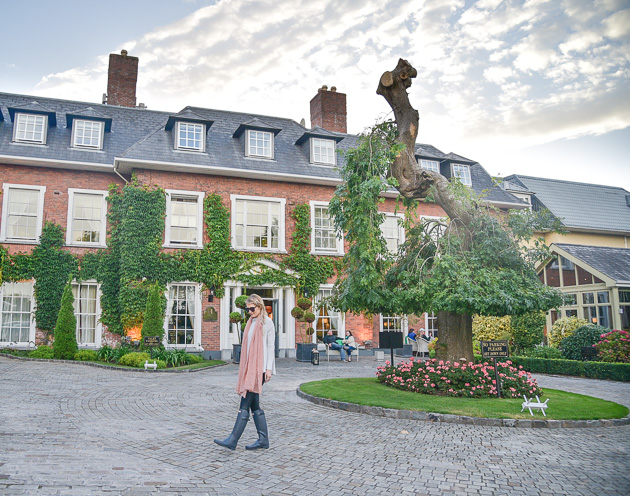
{"x": 116, "y": 171}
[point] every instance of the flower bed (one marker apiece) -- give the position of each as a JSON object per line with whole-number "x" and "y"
{"x": 458, "y": 379}
{"x": 614, "y": 347}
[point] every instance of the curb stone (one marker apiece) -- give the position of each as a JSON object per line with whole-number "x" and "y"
{"x": 446, "y": 418}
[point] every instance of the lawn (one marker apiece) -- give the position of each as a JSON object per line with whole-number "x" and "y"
{"x": 368, "y": 391}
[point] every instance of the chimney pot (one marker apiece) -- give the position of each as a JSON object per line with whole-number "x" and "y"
{"x": 333, "y": 88}
{"x": 325, "y": 88}
{"x": 123, "y": 53}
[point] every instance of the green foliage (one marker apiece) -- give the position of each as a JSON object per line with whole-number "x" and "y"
{"x": 86, "y": 356}
{"x": 594, "y": 370}
{"x": 588, "y": 335}
{"x": 542, "y": 352}
{"x": 153, "y": 324}
{"x": 614, "y": 347}
{"x": 304, "y": 303}
{"x": 109, "y": 354}
{"x": 527, "y": 330}
{"x": 491, "y": 328}
{"x": 42, "y": 352}
{"x": 236, "y": 317}
{"x": 65, "y": 344}
{"x": 240, "y": 301}
{"x": 309, "y": 317}
{"x": 134, "y": 359}
{"x": 177, "y": 357}
{"x": 297, "y": 313}
{"x": 563, "y": 328}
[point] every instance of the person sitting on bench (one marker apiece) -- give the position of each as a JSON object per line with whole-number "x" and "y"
{"x": 350, "y": 345}
{"x": 331, "y": 341}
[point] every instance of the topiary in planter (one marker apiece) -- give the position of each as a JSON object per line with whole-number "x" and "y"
{"x": 309, "y": 317}
{"x": 297, "y": 313}
{"x": 65, "y": 345}
{"x": 589, "y": 335}
{"x": 310, "y": 331}
{"x": 236, "y": 317}
{"x": 304, "y": 303}
{"x": 240, "y": 302}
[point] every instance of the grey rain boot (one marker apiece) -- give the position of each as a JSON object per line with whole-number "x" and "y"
{"x": 261, "y": 427}
{"x": 241, "y": 421}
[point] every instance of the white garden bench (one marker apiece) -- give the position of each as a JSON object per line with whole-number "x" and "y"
{"x": 536, "y": 405}
{"x": 148, "y": 365}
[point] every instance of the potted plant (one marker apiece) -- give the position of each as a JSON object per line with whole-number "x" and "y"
{"x": 301, "y": 313}
{"x": 238, "y": 319}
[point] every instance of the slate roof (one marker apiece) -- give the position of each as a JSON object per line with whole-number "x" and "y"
{"x": 580, "y": 205}
{"x": 613, "y": 262}
{"x": 143, "y": 136}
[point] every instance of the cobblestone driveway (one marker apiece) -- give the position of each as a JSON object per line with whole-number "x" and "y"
{"x": 75, "y": 430}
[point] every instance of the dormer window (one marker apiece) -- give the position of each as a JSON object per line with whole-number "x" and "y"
{"x": 30, "y": 128}
{"x": 259, "y": 144}
{"x": 323, "y": 151}
{"x": 87, "y": 134}
{"x": 432, "y": 165}
{"x": 462, "y": 172}
{"x": 190, "y": 136}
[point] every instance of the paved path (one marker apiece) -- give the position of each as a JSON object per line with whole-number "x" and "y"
{"x": 67, "y": 429}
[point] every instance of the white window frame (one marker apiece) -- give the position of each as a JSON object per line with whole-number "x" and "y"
{"x": 170, "y": 193}
{"x": 202, "y": 138}
{"x": 334, "y": 151}
{"x": 401, "y": 230}
{"x": 196, "y": 342}
{"x": 340, "y": 316}
{"x": 339, "y": 250}
{"x": 101, "y": 129}
{"x": 432, "y": 165}
{"x": 98, "y": 330}
{"x": 400, "y": 318}
{"x": 248, "y": 148}
{"x": 455, "y": 173}
{"x": 19, "y": 116}
{"x": 6, "y": 187}
{"x": 281, "y": 223}
{"x": 32, "y": 327}
{"x": 103, "y": 232}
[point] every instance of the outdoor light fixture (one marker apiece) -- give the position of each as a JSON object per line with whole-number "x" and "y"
{"x": 211, "y": 294}
{"x": 315, "y": 356}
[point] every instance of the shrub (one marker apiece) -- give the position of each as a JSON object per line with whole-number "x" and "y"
{"x": 190, "y": 359}
{"x": 65, "y": 344}
{"x": 491, "y": 328}
{"x": 527, "y": 330}
{"x": 86, "y": 356}
{"x": 614, "y": 347}
{"x": 240, "y": 302}
{"x": 543, "y": 352}
{"x": 563, "y": 328}
{"x": 458, "y": 379}
{"x": 176, "y": 357}
{"x": 42, "y": 352}
{"x": 153, "y": 323}
{"x": 595, "y": 370}
{"x": 134, "y": 359}
{"x": 161, "y": 364}
{"x": 589, "y": 335}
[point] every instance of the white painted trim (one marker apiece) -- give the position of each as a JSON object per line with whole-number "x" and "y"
{"x": 186, "y": 148}
{"x": 99, "y": 146}
{"x": 272, "y": 145}
{"x": 314, "y": 251}
{"x": 54, "y": 164}
{"x": 5, "y": 210}
{"x": 401, "y": 229}
{"x": 312, "y": 152}
{"x": 453, "y": 165}
{"x": 33, "y": 325}
{"x": 281, "y": 226}
{"x": 98, "y": 331}
{"x": 167, "y": 228}
{"x": 196, "y": 344}
{"x": 103, "y": 233}
{"x": 16, "y": 121}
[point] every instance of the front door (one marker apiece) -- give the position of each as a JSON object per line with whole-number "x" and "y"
{"x": 271, "y": 305}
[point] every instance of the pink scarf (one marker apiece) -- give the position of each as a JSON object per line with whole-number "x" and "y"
{"x": 250, "y": 367}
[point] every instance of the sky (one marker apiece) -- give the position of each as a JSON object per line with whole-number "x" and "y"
{"x": 532, "y": 87}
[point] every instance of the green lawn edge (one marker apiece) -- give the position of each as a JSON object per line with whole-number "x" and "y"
{"x": 368, "y": 391}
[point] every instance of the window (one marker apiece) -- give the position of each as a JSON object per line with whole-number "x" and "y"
{"x": 324, "y": 238}
{"x": 258, "y": 223}
{"x": 22, "y": 213}
{"x": 326, "y": 318}
{"x": 432, "y": 165}
{"x": 30, "y": 128}
{"x": 431, "y": 321}
{"x": 391, "y": 323}
{"x": 16, "y": 325}
{"x": 259, "y": 144}
{"x": 183, "y": 315}
{"x": 190, "y": 136}
{"x": 87, "y": 311}
{"x": 462, "y": 172}
{"x": 87, "y": 211}
{"x": 323, "y": 151}
{"x": 597, "y": 309}
{"x": 184, "y": 219}
{"x": 87, "y": 134}
{"x": 393, "y": 233}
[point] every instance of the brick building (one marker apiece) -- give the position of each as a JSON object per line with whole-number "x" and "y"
{"x": 58, "y": 158}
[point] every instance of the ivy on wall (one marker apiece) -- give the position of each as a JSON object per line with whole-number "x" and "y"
{"x": 134, "y": 259}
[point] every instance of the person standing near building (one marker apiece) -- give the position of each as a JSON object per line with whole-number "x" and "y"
{"x": 257, "y": 364}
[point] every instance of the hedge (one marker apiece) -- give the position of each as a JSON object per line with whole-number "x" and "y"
{"x": 594, "y": 370}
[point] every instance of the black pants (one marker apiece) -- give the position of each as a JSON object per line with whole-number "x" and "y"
{"x": 251, "y": 401}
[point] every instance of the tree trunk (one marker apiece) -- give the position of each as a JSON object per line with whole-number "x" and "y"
{"x": 454, "y": 337}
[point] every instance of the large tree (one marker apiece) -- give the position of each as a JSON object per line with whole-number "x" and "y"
{"x": 476, "y": 261}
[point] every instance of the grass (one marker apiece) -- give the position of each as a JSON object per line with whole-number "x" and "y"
{"x": 368, "y": 391}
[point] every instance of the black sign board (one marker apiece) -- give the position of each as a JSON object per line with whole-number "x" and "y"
{"x": 152, "y": 340}
{"x": 589, "y": 352}
{"x": 494, "y": 349}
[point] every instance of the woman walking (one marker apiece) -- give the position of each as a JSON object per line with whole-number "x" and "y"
{"x": 257, "y": 364}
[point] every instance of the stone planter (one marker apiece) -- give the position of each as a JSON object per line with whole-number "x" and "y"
{"x": 303, "y": 352}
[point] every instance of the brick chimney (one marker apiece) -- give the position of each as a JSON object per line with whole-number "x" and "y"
{"x": 122, "y": 77}
{"x": 328, "y": 110}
